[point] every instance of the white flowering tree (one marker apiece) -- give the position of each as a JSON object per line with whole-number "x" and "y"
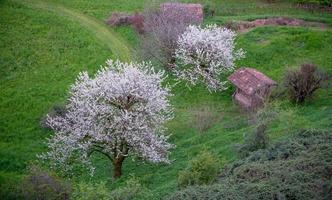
{"x": 119, "y": 112}
{"x": 204, "y": 54}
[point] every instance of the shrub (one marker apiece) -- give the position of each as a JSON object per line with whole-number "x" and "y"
{"x": 258, "y": 139}
{"x": 209, "y": 9}
{"x": 302, "y": 83}
{"x": 201, "y": 170}
{"x": 40, "y": 184}
{"x": 204, "y": 118}
{"x": 162, "y": 29}
{"x": 132, "y": 190}
{"x": 297, "y": 168}
{"x": 91, "y": 191}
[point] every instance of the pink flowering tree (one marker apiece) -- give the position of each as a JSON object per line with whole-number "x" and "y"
{"x": 204, "y": 54}
{"x": 118, "y": 113}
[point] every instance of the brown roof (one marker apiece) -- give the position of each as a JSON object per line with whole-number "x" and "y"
{"x": 250, "y": 80}
{"x": 192, "y": 9}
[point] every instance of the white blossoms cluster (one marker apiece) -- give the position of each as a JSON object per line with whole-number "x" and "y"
{"x": 119, "y": 112}
{"x": 206, "y": 53}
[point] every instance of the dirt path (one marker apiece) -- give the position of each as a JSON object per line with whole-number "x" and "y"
{"x": 115, "y": 43}
{"x": 245, "y": 26}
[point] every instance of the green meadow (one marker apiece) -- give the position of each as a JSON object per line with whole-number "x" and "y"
{"x": 45, "y": 44}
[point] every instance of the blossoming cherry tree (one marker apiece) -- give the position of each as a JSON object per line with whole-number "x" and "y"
{"x": 118, "y": 113}
{"x": 204, "y": 54}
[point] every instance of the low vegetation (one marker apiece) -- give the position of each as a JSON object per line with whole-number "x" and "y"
{"x": 201, "y": 170}
{"x": 298, "y": 167}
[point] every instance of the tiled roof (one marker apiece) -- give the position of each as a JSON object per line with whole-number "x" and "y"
{"x": 250, "y": 80}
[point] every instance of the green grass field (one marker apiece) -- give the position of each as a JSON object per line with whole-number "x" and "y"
{"x": 45, "y": 44}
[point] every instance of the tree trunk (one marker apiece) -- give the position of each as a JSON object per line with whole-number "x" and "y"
{"x": 117, "y": 167}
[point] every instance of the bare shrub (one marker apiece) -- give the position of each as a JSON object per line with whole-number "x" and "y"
{"x": 162, "y": 28}
{"x": 40, "y": 184}
{"x": 204, "y": 118}
{"x": 137, "y": 21}
{"x": 302, "y": 83}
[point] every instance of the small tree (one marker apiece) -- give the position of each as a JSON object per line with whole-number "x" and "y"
{"x": 119, "y": 112}
{"x": 206, "y": 53}
{"x": 302, "y": 83}
{"x": 161, "y": 31}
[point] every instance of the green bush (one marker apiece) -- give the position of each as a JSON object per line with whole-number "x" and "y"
{"x": 201, "y": 170}
{"x": 132, "y": 190}
{"x": 296, "y": 168}
{"x": 91, "y": 191}
{"x": 99, "y": 191}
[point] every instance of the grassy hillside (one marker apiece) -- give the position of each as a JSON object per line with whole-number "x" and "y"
{"x": 42, "y": 52}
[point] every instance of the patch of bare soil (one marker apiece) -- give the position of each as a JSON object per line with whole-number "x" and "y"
{"x": 243, "y": 26}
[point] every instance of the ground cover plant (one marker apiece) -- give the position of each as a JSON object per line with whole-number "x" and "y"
{"x": 298, "y": 167}
{"x": 43, "y": 50}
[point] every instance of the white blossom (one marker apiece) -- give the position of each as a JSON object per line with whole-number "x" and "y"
{"x": 119, "y": 112}
{"x": 206, "y": 53}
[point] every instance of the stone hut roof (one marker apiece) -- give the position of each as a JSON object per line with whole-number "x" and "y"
{"x": 250, "y": 80}
{"x": 191, "y": 9}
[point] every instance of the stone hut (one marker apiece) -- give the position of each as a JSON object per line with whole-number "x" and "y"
{"x": 252, "y": 87}
{"x": 193, "y": 11}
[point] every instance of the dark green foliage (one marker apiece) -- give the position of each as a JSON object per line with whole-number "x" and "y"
{"x": 42, "y": 185}
{"x": 315, "y": 2}
{"x": 295, "y": 168}
{"x": 201, "y": 170}
{"x": 259, "y": 139}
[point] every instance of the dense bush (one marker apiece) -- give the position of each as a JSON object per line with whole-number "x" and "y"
{"x": 302, "y": 83}
{"x": 42, "y": 185}
{"x": 201, "y": 170}
{"x": 296, "y": 168}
